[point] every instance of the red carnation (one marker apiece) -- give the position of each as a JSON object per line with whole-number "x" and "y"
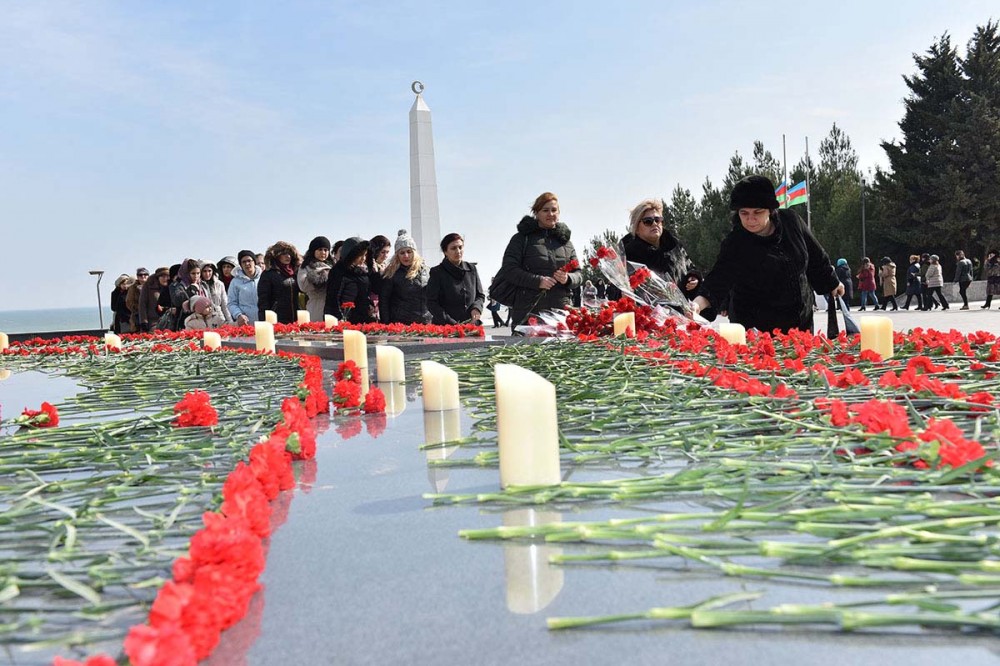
{"x": 572, "y": 265}
{"x": 195, "y": 409}
{"x": 606, "y": 253}
{"x": 347, "y": 395}
{"x": 348, "y": 371}
{"x": 96, "y": 660}
{"x": 375, "y": 401}
{"x": 637, "y": 278}
{"x": 46, "y": 417}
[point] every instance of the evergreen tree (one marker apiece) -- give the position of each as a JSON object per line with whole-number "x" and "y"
{"x": 916, "y": 189}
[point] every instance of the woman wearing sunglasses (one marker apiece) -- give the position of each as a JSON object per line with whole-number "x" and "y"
{"x": 651, "y": 243}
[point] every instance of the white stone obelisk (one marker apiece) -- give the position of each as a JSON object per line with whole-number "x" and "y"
{"x": 425, "y": 222}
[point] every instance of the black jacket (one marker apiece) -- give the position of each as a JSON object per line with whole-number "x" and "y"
{"x": 534, "y": 253}
{"x": 453, "y": 292}
{"x": 349, "y": 284}
{"x": 404, "y": 301}
{"x": 769, "y": 280}
{"x": 669, "y": 260}
{"x": 279, "y": 292}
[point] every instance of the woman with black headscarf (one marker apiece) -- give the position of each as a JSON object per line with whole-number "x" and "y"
{"x": 348, "y": 291}
{"x": 769, "y": 265}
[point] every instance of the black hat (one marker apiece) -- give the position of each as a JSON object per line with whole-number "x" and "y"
{"x": 352, "y": 248}
{"x": 316, "y": 244}
{"x": 753, "y": 192}
{"x": 246, "y": 253}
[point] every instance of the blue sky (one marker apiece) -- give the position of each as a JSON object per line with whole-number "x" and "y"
{"x": 142, "y": 133}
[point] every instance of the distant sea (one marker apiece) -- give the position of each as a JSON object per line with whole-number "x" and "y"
{"x": 53, "y": 320}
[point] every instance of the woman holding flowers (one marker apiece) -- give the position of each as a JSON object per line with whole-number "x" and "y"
{"x": 454, "y": 292}
{"x": 540, "y": 261}
{"x": 769, "y": 265}
{"x": 348, "y": 288}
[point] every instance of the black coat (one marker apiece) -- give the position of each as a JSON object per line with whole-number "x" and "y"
{"x": 279, "y": 292}
{"x": 453, "y": 292}
{"x": 349, "y": 284}
{"x": 769, "y": 280}
{"x": 844, "y": 275}
{"x": 404, "y": 301}
{"x": 534, "y": 253}
{"x": 669, "y": 260}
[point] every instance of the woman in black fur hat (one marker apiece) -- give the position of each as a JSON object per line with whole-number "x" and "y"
{"x": 769, "y": 265}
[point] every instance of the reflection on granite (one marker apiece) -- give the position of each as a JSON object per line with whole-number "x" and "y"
{"x": 367, "y": 572}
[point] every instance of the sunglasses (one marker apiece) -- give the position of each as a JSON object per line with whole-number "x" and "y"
{"x": 650, "y": 221}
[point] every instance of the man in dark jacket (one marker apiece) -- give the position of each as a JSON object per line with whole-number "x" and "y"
{"x": 769, "y": 265}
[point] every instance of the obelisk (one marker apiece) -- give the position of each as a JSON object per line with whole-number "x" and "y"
{"x": 425, "y": 222}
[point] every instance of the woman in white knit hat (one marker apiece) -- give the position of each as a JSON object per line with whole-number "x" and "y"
{"x": 403, "y": 298}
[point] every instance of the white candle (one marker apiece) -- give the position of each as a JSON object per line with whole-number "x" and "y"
{"x": 356, "y": 348}
{"x": 532, "y": 583}
{"x": 876, "y": 335}
{"x": 527, "y": 430}
{"x": 264, "y": 335}
{"x": 330, "y": 321}
{"x": 389, "y": 364}
{"x": 395, "y": 397}
{"x": 302, "y": 316}
{"x": 112, "y": 341}
{"x": 734, "y": 334}
{"x": 270, "y": 316}
{"x": 4, "y": 341}
{"x": 625, "y": 324}
{"x": 211, "y": 340}
{"x": 4, "y": 374}
{"x": 440, "y": 385}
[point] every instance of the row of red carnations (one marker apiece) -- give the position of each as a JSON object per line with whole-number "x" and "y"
{"x": 941, "y": 443}
{"x": 212, "y": 587}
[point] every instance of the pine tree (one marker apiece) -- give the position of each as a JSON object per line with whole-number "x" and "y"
{"x": 918, "y": 203}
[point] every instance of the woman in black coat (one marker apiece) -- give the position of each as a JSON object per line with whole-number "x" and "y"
{"x": 769, "y": 265}
{"x": 534, "y": 259}
{"x": 403, "y": 299}
{"x": 348, "y": 289}
{"x": 277, "y": 289}
{"x": 454, "y": 292}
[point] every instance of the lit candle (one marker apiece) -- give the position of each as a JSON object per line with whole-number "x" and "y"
{"x": 270, "y": 316}
{"x": 527, "y": 430}
{"x": 356, "y": 348}
{"x": 395, "y": 397}
{"x": 532, "y": 583}
{"x": 112, "y": 341}
{"x": 389, "y": 364}
{"x": 264, "y": 335}
{"x": 625, "y": 324}
{"x": 4, "y": 341}
{"x": 302, "y": 316}
{"x": 876, "y": 335}
{"x": 734, "y": 334}
{"x": 440, "y": 385}
{"x": 211, "y": 340}
{"x": 330, "y": 321}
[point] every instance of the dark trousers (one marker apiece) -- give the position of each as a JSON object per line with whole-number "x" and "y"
{"x": 931, "y": 291}
{"x": 962, "y": 288}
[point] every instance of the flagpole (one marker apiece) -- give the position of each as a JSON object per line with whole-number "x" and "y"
{"x": 808, "y": 199}
{"x": 784, "y": 160}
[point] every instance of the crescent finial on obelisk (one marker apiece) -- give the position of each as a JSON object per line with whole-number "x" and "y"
{"x": 417, "y": 87}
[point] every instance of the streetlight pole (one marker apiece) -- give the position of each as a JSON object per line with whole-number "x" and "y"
{"x": 864, "y": 245}
{"x": 100, "y": 310}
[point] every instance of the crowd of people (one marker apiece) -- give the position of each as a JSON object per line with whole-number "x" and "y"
{"x": 768, "y": 267}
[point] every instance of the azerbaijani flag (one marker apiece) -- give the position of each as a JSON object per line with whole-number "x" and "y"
{"x": 781, "y": 194}
{"x": 797, "y": 195}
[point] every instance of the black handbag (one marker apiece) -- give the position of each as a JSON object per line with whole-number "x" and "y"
{"x": 502, "y": 291}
